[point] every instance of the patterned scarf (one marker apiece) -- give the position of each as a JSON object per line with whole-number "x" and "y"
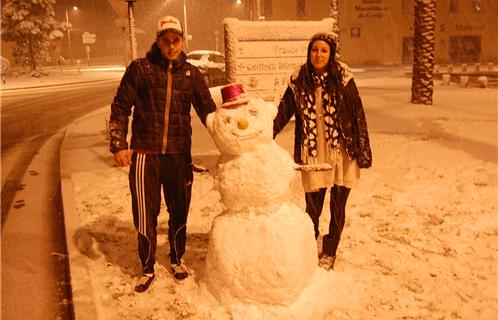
{"x": 310, "y": 118}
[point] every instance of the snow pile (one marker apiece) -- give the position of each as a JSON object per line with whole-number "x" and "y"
{"x": 246, "y": 30}
{"x": 262, "y": 248}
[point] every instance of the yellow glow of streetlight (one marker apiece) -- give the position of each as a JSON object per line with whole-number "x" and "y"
{"x": 238, "y": 1}
{"x": 75, "y": 8}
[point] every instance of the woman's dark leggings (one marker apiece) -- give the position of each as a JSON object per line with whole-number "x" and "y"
{"x": 314, "y": 204}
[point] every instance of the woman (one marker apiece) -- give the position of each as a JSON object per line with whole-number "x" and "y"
{"x": 331, "y": 137}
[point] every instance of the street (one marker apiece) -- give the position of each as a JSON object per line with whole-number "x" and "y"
{"x": 35, "y": 283}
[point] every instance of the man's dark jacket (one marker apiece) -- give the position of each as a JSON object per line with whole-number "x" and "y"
{"x": 144, "y": 88}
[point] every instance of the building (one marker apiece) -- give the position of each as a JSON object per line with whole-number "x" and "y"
{"x": 381, "y": 32}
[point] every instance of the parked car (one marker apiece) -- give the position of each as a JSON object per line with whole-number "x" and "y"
{"x": 211, "y": 64}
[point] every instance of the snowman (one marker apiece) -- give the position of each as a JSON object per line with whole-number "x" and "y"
{"x": 262, "y": 248}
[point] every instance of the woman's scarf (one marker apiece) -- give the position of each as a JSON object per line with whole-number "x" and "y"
{"x": 310, "y": 118}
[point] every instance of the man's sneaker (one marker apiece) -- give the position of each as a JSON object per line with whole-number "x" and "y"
{"x": 179, "y": 271}
{"x": 144, "y": 282}
{"x": 326, "y": 262}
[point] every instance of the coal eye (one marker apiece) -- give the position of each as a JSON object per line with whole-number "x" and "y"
{"x": 253, "y": 112}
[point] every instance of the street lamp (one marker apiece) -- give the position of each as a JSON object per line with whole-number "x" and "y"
{"x": 185, "y": 23}
{"x": 75, "y": 8}
{"x": 131, "y": 25}
{"x": 216, "y": 33}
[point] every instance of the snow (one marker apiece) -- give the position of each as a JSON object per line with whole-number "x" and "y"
{"x": 420, "y": 239}
{"x": 56, "y": 76}
{"x": 244, "y": 30}
{"x": 204, "y": 62}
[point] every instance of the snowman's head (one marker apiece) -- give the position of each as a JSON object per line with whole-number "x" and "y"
{"x": 244, "y": 127}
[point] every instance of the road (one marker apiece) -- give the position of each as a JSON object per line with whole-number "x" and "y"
{"x": 35, "y": 283}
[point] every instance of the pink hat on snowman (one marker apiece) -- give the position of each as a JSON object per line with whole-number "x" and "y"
{"x": 233, "y": 96}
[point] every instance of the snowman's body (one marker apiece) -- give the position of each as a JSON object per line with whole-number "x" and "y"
{"x": 255, "y": 178}
{"x": 262, "y": 248}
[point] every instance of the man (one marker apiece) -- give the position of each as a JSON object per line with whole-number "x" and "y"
{"x": 160, "y": 89}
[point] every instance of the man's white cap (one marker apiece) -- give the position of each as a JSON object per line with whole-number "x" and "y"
{"x": 169, "y": 23}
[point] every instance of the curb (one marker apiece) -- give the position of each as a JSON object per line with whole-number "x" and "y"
{"x": 84, "y": 301}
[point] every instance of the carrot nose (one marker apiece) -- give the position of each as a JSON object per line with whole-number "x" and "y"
{"x": 242, "y": 124}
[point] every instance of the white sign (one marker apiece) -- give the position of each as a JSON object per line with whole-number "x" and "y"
{"x": 89, "y": 38}
{"x": 263, "y": 54}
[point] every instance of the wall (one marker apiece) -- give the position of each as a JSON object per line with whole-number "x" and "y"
{"x": 381, "y": 31}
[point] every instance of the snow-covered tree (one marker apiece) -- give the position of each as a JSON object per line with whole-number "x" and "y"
{"x": 423, "y": 51}
{"x": 31, "y": 25}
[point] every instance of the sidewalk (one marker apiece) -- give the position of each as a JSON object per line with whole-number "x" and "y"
{"x": 84, "y": 148}
{"x": 69, "y": 74}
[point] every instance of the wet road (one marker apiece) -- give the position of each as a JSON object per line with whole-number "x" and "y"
{"x": 34, "y": 269}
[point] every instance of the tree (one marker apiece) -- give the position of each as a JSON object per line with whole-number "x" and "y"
{"x": 423, "y": 51}
{"x": 334, "y": 13}
{"x": 31, "y": 25}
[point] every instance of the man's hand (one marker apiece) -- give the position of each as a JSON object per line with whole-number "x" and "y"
{"x": 122, "y": 158}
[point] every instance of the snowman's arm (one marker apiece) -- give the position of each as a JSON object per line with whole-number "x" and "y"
{"x": 286, "y": 109}
{"x": 313, "y": 167}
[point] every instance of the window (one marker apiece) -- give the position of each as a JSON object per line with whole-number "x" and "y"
{"x": 301, "y": 7}
{"x": 268, "y": 8}
{"x": 454, "y": 4}
{"x": 465, "y": 49}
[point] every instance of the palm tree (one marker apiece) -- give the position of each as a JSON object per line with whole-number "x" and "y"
{"x": 423, "y": 51}
{"x": 334, "y": 13}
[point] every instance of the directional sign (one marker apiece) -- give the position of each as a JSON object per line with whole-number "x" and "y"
{"x": 89, "y": 38}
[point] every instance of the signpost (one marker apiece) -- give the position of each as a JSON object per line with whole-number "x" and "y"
{"x": 263, "y": 54}
{"x": 87, "y": 49}
{"x": 88, "y": 38}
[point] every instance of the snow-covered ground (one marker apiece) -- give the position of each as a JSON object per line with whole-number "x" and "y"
{"x": 421, "y": 234}
{"x": 15, "y": 79}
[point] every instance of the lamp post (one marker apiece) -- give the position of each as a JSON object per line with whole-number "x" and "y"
{"x": 185, "y": 23}
{"x": 216, "y": 33}
{"x": 69, "y": 32}
{"x": 131, "y": 25}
